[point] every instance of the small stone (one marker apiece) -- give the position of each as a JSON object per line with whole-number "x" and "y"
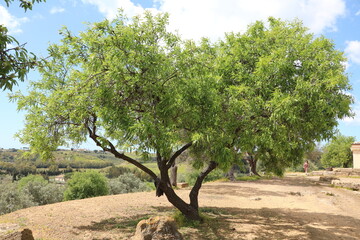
{"x": 25, "y": 234}
{"x": 157, "y": 228}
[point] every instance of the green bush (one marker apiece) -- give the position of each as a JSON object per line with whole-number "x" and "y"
{"x": 127, "y": 183}
{"x": 40, "y": 191}
{"x": 30, "y": 179}
{"x": 85, "y": 185}
{"x": 12, "y": 199}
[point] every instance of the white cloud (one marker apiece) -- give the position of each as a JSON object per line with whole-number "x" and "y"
{"x": 54, "y": 10}
{"x": 357, "y": 13}
{"x": 110, "y": 7}
{"x": 352, "y": 51}
{"x": 11, "y": 22}
{"x": 356, "y": 119}
{"x": 212, "y": 18}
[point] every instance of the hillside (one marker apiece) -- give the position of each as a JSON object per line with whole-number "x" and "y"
{"x": 288, "y": 208}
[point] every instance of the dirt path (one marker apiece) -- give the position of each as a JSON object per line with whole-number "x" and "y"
{"x": 288, "y": 208}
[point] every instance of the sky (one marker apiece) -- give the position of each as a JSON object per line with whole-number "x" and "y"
{"x": 338, "y": 20}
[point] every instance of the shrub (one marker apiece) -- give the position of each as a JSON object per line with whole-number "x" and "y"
{"x": 12, "y": 199}
{"x": 86, "y": 184}
{"x": 126, "y": 183}
{"x": 30, "y": 179}
{"x": 40, "y": 191}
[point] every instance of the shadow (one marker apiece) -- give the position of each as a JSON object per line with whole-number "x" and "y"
{"x": 236, "y": 223}
{"x": 123, "y": 224}
{"x": 245, "y": 223}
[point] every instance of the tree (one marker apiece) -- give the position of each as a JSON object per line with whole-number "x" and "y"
{"x": 292, "y": 87}
{"x": 85, "y": 185}
{"x": 337, "y": 152}
{"x": 15, "y": 61}
{"x": 132, "y": 83}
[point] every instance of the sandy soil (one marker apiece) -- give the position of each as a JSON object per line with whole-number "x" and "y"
{"x": 287, "y": 208}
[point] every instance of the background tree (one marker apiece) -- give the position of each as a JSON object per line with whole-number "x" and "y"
{"x": 85, "y": 185}
{"x": 270, "y": 92}
{"x": 15, "y": 61}
{"x": 290, "y": 89}
{"x": 337, "y": 152}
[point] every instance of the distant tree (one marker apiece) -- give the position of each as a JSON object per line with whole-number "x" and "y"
{"x": 85, "y": 185}
{"x": 271, "y": 91}
{"x": 337, "y": 152}
{"x": 15, "y": 61}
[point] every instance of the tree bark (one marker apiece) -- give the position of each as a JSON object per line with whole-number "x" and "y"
{"x": 252, "y": 165}
{"x": 194, "y": 193}
{"x": 173, "y": 175}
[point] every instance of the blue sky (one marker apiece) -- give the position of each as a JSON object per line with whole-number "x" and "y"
{"x": 338, "y": 20}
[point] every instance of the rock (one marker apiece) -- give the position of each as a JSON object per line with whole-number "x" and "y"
{"x": 25, "y": 234}
{"x": 327, "y": 179}
{"x": 295, "y": 193}
{"x": 157, "y": 228}
{"x": 182, "y": 184}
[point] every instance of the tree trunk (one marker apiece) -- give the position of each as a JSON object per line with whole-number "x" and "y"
{"x": 189, "y": 211}
{"x": 173, "y": 175}
{"x": 252, "y": 165}
{"x": 231, "y": 173}
{"x": 194, "y": 193}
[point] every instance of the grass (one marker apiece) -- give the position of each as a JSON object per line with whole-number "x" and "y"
{"x": 248, "y": 178}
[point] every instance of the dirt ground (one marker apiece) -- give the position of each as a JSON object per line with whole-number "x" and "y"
{"x": 286, "y": 208}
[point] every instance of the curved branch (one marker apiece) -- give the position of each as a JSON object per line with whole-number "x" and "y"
{"x": 177, "y": 153}
{"x": 112, "y": 149}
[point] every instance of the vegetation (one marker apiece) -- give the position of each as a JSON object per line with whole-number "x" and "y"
{"x": 85, "y": 185}
{"x": 337, "y": 152}
{"x": 270, "y": 93}
{"x": 127, "y": 183}
{"x": 15, "y": 61}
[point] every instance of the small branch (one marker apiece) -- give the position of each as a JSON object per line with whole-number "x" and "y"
{"x": 176, "y": 154}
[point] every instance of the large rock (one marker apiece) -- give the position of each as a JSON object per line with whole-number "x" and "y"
{"x": 157, "y": 228}
{"x": 25, "y": 234}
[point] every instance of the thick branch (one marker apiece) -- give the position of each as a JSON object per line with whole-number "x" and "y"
{"x": 176, "y": 154}
{"x": 112, "y": 149}
{"x": 195, "y": 190}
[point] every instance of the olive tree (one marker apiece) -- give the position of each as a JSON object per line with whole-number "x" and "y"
{"x": 270, "y": 91}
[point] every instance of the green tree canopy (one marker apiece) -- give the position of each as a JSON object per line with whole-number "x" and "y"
{"x": 272, "y": 91}
{"x": 15, "y": 61}
{"x": 337, "y": 152}
{"x": 291, "y": 86}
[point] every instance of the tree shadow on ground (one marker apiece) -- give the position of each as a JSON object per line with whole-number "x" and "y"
{"x": 245, "y": 223}
{"x": 123, "y": 224}
{"x": 265, "y": 223}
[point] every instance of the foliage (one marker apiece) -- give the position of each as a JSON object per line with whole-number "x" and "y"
{"x": 12, "y": 199}
{"x": 30, "y": 179}
{"x": 247, "y": 178}
{"x": 15, "y": 61}
{"x": 25, "y": 4}
{"x": 114, "y": 171}
{"x": 286, "y": 87}
{"x": 270, "y": 92}
{"x": 85, "y": 185}
{"x": 40, "y": 191}
{"x": 337, "y": 152}
{"x": 127, "y": 183}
